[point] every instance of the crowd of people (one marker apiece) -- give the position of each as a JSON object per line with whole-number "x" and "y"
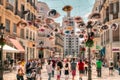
{"x": 69, "y": 67}
{"x": 56, "y": 67}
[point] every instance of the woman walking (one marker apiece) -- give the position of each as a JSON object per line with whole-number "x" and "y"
{"x": 49, "y": 70}
{"x": 58, "y": 73}
{"x": 111, "y": 68}
{"x": 20, "y": 72}
{"x": 86, "y": 67}
{"x": 38, "y": 75}
{"x": 66, "y": 71}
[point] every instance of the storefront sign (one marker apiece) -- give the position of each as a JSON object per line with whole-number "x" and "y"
{"x": 116, "y": 49}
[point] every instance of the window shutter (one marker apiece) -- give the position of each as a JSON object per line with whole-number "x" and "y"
{"x": 117, "y": 6}
{"x": 111, "y": 8}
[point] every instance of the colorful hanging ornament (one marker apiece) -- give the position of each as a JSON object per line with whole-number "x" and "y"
{"x": 67, "y": 32}
{"x": 81, "y": 36}
{"x": 95, "y": 15}
{"x": 104, "y": 27}
{"x": 114, "y": 26}
{"x": 42, "y": 29}
{"x": 67, "y": 8}
{"x": 53, "y": 13}
{"x": 49, "y": 20}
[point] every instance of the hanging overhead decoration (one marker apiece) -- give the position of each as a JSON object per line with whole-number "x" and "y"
{"x": 45, "y": 26}
{"x": 67, "y": 32}
{"x": 22, "y": 23}
{"x": 94, "y": 16}
{"x": 37, "y": 21}
{"x": 69, "y": 28}
{"x": 78, "y": 32}
{"x": 83, "y": 31}
{"x": 67, "y": 8}
{"x": 104, "y": 27}
{"x": 78, "y": 19}
{"x": 114, "y": 26}
{"x": 49, "y": 20}
{"x": 81, "y": 35}
{"x": 42, "y": 29}
{"x": 81, "y": 24}
{"x": 51, "y": 37}
{"x": 53, "y": 13}
{"x": 94, "y": 30}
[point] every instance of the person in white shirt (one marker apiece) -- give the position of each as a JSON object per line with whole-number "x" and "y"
{"x": 49, "y": 70}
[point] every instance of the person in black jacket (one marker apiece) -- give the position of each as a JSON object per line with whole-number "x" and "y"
{"x": 59, "y": 63}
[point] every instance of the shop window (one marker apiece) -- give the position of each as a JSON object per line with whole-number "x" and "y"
{"x": 7, "y": 24}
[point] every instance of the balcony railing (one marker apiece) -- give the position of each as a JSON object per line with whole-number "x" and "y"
{"x": 9, "y": 6}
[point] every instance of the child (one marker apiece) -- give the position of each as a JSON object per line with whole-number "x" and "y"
{"x": 66, "y": 71}
{"x": 58, "y": 73}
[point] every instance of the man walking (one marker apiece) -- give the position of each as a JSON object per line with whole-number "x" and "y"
{"x": 81, "y": 69}
{"x": 73, "y": 68}
{"x": 99, "y": 67}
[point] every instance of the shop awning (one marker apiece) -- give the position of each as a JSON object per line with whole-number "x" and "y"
{"x": 17, "y": 45}
{"x": 7, "y": 48}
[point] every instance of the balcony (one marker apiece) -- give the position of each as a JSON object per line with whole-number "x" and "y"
{"x": 9, "y": 6}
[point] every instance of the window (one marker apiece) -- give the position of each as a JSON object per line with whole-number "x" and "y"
{"x": 117, "y": 6}
{"x": 14, "y": 28}
{"x": 22, "y": 33}
{"x": 28, "y": 17}
{"x": 0, "y": 19}
{"x": 7, "y": 24}
{"x": 30, "y": 35}
{"x": 27, "y": 33}
{"x": 111, "y": 8}
{"x": 12, "y": 2}
{"x": 22, "y": 11}
{"x": 116, "y": 35}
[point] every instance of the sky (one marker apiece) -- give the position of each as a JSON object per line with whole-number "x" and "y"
{"x": 80, "y": 7}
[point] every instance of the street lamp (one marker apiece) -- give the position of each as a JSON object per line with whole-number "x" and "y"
{"x": 94, "y": 17}
{"x": 2, "y": 42}
{"x": 89, "y": 42}
{"x": 89, "y": 28}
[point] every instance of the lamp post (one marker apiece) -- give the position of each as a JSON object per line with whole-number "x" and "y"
{"x": 94, "y": 18}
{"x": 89, "y": 28}
{"x": 1, "y": 50}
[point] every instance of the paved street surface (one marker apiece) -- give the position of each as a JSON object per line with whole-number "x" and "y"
{"x": 105, "y": 75}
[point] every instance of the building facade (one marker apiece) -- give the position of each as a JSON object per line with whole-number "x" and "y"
{"x": 110, "y": 39}
{"x": 71, "y": 45}
{"x": 16, "y": 16}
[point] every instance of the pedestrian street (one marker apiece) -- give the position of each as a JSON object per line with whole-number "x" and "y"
{"x": 105, "y": 75}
